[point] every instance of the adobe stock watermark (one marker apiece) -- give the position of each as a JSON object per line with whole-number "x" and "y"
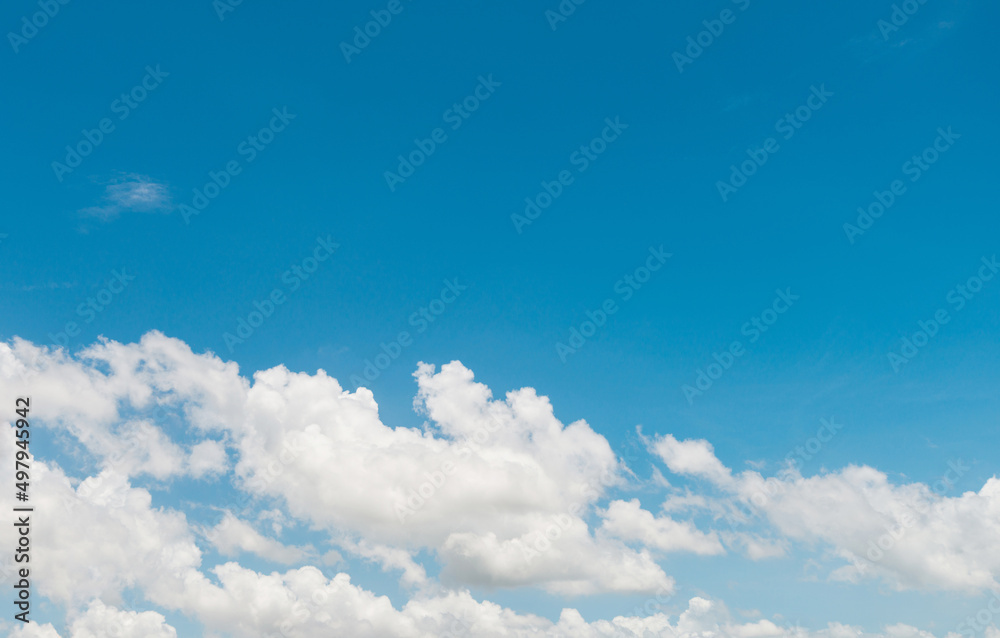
{"x": 625, "y": 288}
{"x": 706, "y": 377}
{"x": 786, "y": 126}
{"x": 292, "y": 448}
{"x": 455, "y": 116}
{"x": 984, "y": 618}
{"x": 122, "y": 106}
{"x": 901, "y": 14}
{"x": 302, "y": 610}
{"x": 30, "y": 27}
{"x": 754, "y": 504}
{"x": 430, "y": 483}
{"x": 878, "y": 547}
{"x": 421, "y": 319}
{"x": 957, "y": 297}
{"x": 562, "y": 12}
{"x": 89, "y": 309}
{"x": 249, "y": 149}
{"x": 292, "y": 279}
{"x": 364, "y": 34}
{"x": 222, "y": 7}
{"x": 914, "y": 168}
{"x": 813, "y": 445}
{"x": 697, "y": 44}
{"x": 540, "y": 541}
{"x": 580, "y": 160}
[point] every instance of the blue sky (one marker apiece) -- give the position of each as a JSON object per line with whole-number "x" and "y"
{"x": 887, "y": 97}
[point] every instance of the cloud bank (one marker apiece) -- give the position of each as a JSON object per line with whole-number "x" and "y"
{"x": 497, "y": 490}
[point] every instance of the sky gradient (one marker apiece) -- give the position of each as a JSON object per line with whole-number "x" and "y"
{"x": 708, "y": 231}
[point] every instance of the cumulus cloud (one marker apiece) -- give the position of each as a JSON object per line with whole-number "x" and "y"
{"x": 904, "y": 534}
{"x": 142, "y": 448}
{"x": 695, "y": 457}
{"x": 102, "y": 621}
{"x": 629, "y": 522}
{"x": 128, "y": 542}
{"x": 232, "y": 536}
{"x": 480, "y": 488}
{"x": 207, "y": 457}
{"x": 909, "y": 535}
{"x": 498, "y": 491}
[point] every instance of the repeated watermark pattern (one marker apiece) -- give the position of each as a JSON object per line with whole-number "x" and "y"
{"x": 410, "y": 499}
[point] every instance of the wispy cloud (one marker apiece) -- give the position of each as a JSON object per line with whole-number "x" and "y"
{"x": 892, "y": 36}
{"x": 52, "y": 285}
{"x": 131, "y": 193}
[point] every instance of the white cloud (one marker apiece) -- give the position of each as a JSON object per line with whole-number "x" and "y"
{"x": 85, "y": 396}
{"x": 759, "y": 548}
{"x": 127, "y": 542}
{"x": 140, "y": 447}
{"x": 692, "y": 457}
{"x": 489, "y": 474}
{"x": 508, "y": 491}
{"x": 390, "y": 558}
{"x": 131, "y": 193}
{"x": 232, "y": 536}
{"x": 493, "y": 471}
{"x": 34, "y": 630}
{"x": 629, "y": 522}
{"x": 101, "y": 621}
{"x": 906, "y": 535}
{"x": 208, "y": 457}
